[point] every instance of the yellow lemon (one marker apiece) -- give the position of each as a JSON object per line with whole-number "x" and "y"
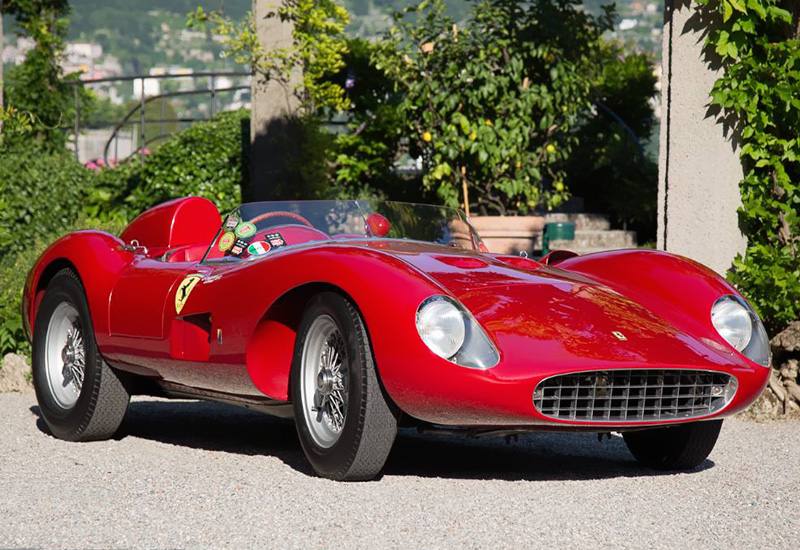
{"x": 551, "y": 148}
{"x": 518, "y": 165}
{"x": 427, "y": 136}
{"x": 472, "y": 136}
{"x": 559, "y": 186}
{"x": 488, "y": 122}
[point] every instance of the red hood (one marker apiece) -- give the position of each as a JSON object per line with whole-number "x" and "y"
{"x": 540, "y": 313}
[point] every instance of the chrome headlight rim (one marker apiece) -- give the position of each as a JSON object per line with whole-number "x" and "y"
{"x": 477, "y": 351}
{"x": 757, "y": 348}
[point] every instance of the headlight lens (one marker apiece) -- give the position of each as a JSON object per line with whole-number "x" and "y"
{"x": 732, "y": 321}
{"x": 441, "y": 326}
{"x": 450, "y": 331}
{"x": 739, "y": 325}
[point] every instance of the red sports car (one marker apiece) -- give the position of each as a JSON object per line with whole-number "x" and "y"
{"x": 354, "y": 317}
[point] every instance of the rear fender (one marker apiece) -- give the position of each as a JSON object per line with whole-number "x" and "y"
{"x": 96, "y": 258}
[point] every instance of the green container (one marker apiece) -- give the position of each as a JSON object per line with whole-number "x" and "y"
{"x": 561, "y": 231}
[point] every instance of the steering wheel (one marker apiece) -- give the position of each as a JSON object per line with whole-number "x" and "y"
{"x": 292, "y": 215}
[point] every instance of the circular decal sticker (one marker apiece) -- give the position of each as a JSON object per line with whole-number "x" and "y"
{"x": 245, "y": 229}
{"x": 226, "y": 241}
{"x": 258, "y": 248}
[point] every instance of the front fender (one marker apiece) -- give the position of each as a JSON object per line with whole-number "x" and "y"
{"x": 97, "y": 260}
{"x": 675, "y": 288}
{"x": 386, "y": 291}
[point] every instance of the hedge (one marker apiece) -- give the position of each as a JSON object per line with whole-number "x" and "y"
{"x": 45, "y": 195}
{"x": 40, "y": 194}
{"x": 209, "y": 159}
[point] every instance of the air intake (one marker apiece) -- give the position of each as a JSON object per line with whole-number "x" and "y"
{"x": 639, "y": 395}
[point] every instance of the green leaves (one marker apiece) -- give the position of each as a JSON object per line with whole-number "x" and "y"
{"x": 724, "y": 47}
{"x": 758, "y": 7}
{"x": 37, "y": 86}
{"x": 41, "y": 193}
{"x": 498, "y": 95}
{"x": 759, "y": 90}
{"x": 729, "y": 5}
{"x": 779, "y": 14}
{"x": 319, "y": 44}
{"x": 206, "y": 160}
{"x": 608, "y": 168}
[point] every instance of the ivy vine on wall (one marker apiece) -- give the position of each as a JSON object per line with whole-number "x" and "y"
{"x": 758, "y": 42}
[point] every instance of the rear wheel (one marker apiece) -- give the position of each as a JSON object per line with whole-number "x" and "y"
{"x": 80, "y": 396}
{"x": 344, "y": 422}
{"x": 674, "y": 448}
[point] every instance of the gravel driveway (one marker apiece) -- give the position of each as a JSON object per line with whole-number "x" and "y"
{"x": 188, "y": 474}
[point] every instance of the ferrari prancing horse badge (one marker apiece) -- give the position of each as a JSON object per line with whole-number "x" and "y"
{"x": 184, "y": 289}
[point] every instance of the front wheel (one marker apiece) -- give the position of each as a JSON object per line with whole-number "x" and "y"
{"x": 344, "y": 422}
{"x": 679, "y": 447}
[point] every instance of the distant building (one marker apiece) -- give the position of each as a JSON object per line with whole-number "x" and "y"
{"x": 189, "y": 36}
{"x": 149, "y": 86}
{"x": 83, "y": 51}
{"x": 201, "y": 55}
{"x": 15, "y": 52}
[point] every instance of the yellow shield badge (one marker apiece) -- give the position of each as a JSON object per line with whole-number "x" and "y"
{"x": 184, "y": 289}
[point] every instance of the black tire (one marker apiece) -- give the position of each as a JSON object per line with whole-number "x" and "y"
{"x": 102, "y": 400}
{"x": 370, "y": 424}
{"x": 674, "y": 448}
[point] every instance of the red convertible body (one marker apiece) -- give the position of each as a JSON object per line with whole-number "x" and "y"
{"x": 185, "y": 303}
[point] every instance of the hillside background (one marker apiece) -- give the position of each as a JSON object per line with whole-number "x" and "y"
{"x": 138, "y": 36}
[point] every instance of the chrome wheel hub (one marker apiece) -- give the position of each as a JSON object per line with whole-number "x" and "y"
{"x": 323, "y": 378}
{"x": 324, "y": 382}
{"x": 65, "y": 355}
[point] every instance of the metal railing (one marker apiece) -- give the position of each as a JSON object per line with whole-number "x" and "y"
{"x": 137, "y": 120}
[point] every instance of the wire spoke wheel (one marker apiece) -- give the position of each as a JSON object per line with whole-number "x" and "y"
{"x": 345, "y": 425}
{"x": 65, "y": 355}
{"x": 324, "y": 381}
{"x": 80, "y": 396}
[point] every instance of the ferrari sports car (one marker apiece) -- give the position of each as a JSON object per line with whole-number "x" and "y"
{"x": 356, "y": 317}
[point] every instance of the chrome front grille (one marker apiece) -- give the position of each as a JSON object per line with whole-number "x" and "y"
{"x": 633, "y": 395}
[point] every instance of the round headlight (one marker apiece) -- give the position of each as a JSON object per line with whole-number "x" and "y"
{"x": 441, "y": 326}
{"x": 732, "y": 321}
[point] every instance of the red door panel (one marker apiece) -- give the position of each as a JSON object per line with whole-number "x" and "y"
{"x": 139, "y": 298}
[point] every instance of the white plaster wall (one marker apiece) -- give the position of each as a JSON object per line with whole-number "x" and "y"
{"x": 699, "y": 168}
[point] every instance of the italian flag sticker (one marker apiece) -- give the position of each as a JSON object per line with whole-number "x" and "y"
{"x": 258, "y": 248}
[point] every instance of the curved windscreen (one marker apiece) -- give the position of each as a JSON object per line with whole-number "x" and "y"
{"x": 259, "y": 228}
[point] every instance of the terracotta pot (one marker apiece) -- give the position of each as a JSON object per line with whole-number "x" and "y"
{"x": 510, "y": 234}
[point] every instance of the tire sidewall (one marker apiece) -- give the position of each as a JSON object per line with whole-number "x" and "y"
{"x": 332, "y": 460}
{"x": 64, "y": 423}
